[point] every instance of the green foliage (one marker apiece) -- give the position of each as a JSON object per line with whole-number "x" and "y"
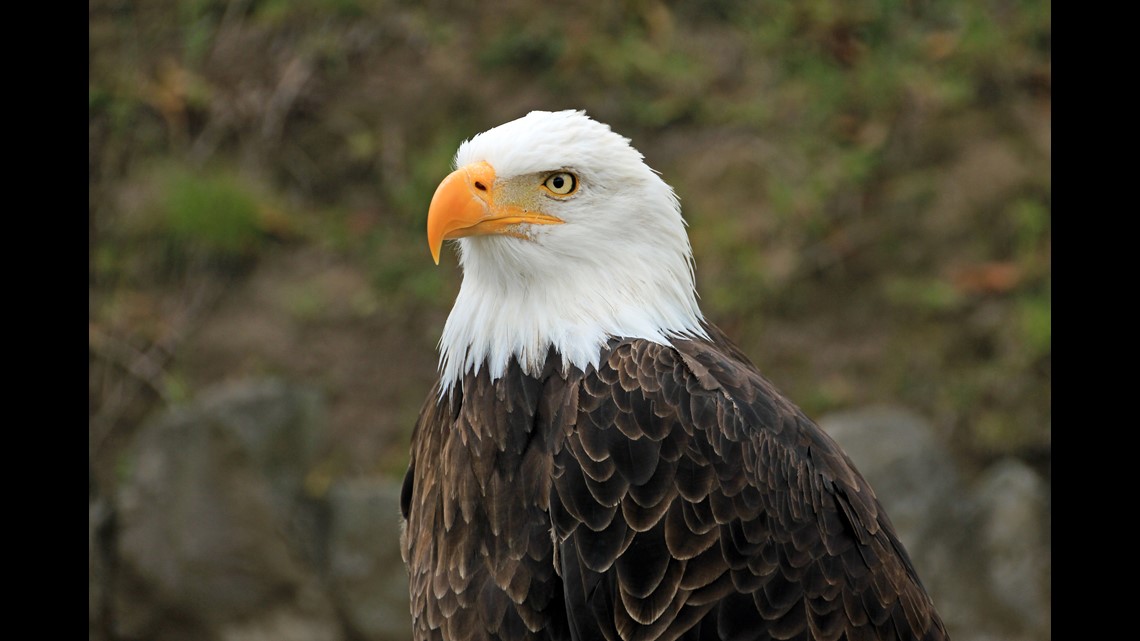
{"x": 199, "y": 22}
{"x": 284, "y": 12}
{"x": 532, "y": 47}
{"x": 656, "y": 84}
{"x": 1032, "y": 221}
{"x": 215, "y": 212}
{"x": 430, "y": 163}
{"x": 922, "y": 295}
{"x": 103, "y": 103}
{"x": 822, "y": 149}
{"x": 1035, "y": 325}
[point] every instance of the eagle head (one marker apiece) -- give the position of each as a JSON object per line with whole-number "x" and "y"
{"x": 566, "y": 238}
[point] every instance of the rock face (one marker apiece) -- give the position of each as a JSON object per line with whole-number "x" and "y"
{"x": 1012, "y": 504}
{"x": 211, "y": 535}
{"x": 366, "y": 572}
{"x": 982, "y": 549}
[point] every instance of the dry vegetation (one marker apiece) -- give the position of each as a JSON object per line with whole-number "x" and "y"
{"x": 867, "y": 184}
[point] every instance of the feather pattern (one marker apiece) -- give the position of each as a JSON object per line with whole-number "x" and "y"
{"x": 598, "y": 462}
{"x": 715, "y": 512}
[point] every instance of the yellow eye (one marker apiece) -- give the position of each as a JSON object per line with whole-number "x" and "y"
{"x": 561, "y": 184}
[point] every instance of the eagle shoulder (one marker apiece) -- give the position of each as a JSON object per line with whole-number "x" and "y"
{"x": 690, "y": 498}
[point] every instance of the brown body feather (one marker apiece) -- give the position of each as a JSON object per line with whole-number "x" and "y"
{"x": 672, "y": 493}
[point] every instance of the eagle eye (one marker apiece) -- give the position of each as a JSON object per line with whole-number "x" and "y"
{"x": 562, "y": 183}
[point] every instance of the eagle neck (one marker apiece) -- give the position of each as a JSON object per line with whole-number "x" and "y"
{"x": 497, "y": 318}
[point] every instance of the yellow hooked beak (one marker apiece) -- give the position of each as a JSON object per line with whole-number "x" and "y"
{"x": 468, "y": 203}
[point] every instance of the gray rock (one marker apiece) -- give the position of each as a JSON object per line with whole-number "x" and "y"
{"x": 211, "y": 536}
{"x": 981, "y": 552}
{"x": 1013, "y": 507}
{"x": 206, "y": 540}
{"x": 919, "y": 486}
{"x": 366, "y": 573}
{"x": 908, "y": 468}
{"x": 99, "y": 558}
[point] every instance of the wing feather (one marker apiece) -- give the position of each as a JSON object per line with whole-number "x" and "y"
{"x": 669, "y": 493}
{"x": 739, "y": 518}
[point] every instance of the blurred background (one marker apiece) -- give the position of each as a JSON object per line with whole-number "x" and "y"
{"x": 868, "y": 189}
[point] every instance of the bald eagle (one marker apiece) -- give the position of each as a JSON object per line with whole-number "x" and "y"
{"x": 596, "y": 460}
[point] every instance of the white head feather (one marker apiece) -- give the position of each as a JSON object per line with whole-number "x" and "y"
{"x": 619, "y": 266}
